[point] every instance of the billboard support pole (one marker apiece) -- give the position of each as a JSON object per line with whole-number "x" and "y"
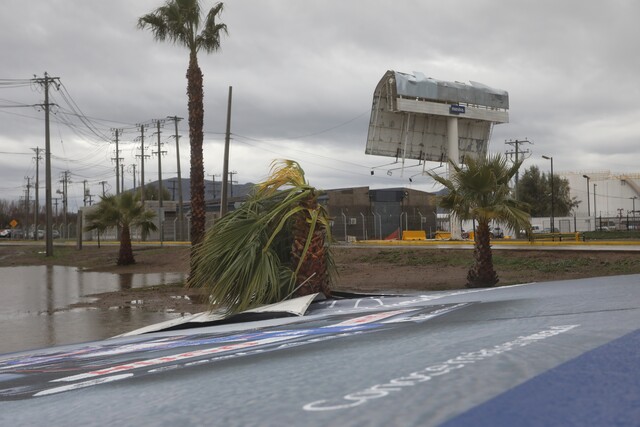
{"x": 406, "y": 140}
{"x": 454, "y": 156}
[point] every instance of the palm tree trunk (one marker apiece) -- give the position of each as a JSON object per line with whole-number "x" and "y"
{"x": 125, "y": 256}
{"x": 482, "y": 274}
{"x": 314, "y": 269}
{"x": 196, "y": 121}
{"x": 313, "y": 272}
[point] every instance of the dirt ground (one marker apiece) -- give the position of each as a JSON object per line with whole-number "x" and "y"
{"x": 364, "y": 269}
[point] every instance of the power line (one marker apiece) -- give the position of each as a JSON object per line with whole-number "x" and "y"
{"x": 83, "y": 118}
{"x": 13, "y": 152}
{"x": 320, "y": 132}
{"x": 295, "y": 150}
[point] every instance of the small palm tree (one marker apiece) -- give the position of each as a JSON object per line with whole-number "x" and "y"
{"x": 271, "y": 248}
{"x": 180, "y": 22}
{"x": 124, "y": 211}
{"x": 479, "y": 190}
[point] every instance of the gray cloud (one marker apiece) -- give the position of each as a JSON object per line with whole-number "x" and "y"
{"x": 303, "y": 75}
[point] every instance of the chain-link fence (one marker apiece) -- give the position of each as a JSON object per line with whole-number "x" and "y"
{"x": 377, "y": 226}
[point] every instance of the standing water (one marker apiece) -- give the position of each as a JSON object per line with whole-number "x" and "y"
{"x": 35, "y": 313}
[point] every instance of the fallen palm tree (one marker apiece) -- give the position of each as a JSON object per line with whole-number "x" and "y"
{"x": 273, "y": 247}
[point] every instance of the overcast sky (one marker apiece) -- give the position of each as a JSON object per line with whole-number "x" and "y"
{"x": 303, "y": 75}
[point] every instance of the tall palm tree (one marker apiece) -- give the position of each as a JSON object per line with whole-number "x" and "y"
{"x": 180, "y": 22}
{"x": 276, "y": 245}
{"x": 124, "y": 211}
{"x": 479, "y": 190}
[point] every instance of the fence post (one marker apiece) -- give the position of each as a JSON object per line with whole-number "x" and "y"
{"x": 364, "y": 229}
{"x": 405, "y": 223}
{"x": 374, "y": 224}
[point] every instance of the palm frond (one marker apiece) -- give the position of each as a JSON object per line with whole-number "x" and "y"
{"x": 180, "y": 21}
{"x": 209, "y": 37}
{"x": 283, "y": 173}
{"x": 236, "y": 266}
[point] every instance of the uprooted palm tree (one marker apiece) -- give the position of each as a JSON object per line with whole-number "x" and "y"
{"x": 180, "y": 22}
{"x": 124, "y": 211}
{"x": 479, "y": 190}
{"x": 275, "y": 246}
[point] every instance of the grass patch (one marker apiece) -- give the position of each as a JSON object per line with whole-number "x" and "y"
{"x": 419, "y": 258}
{"x": 508, "y": 262}
{"x": 579, "y": 264}
{"x": 543, "y": 265}
{"x": 612, "y": 235}
{"x": 624, "y": 266}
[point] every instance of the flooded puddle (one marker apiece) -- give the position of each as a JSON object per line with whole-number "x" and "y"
{"x": 34, "y": 308}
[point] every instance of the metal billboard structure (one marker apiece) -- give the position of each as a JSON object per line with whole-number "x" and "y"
{"x": 417, "y": 117}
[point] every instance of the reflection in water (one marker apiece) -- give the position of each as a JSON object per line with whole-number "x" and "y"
{"x": 126, "y": 281}
{"x": 50, "y": 307}
{"x": 34, "y": 308}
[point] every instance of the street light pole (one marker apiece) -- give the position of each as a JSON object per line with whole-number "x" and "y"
{"x": 595, "y": 209}
{"x": 553, "y": 227}
{"x": 588, "y": 207}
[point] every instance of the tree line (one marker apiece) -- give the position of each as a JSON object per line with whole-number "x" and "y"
{"x": 534, "y": 189}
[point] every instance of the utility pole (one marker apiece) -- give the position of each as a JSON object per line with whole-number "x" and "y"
{"x": 213, "y": 177}
{"x": 225, "y": 168}
{"x": 103, "y": 183}
{"x": 176, "y": 119}
{"x": 45, "y": 82}
{"x": 65, "y": 202}
{"x": 159, "y": 153}
{"x": 64, "y": 181}
{"x": 84, "y": 193}
{"x": 117, "y": 159}
{"x": 26, "y": 206}
{"x": 517, "y": 152}
{"x": 231, "y": 181}
{"x": 173, "y": 190}
{"x": 87, "y": 193}
{"x": 56, "y": 202}
{"x": 133, "y": 167}
{"x": 37, "y": 197}
{"x": 142, "y": 157}
{"x": 122, "y": 177}
{"x": 620, "y": 210}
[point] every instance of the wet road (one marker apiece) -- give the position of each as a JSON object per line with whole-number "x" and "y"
{"x": 440, "y": 357}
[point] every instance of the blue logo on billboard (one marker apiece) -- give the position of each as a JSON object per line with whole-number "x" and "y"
{"x": 456, "y": 109}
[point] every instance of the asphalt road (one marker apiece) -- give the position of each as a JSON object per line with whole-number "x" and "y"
{"x": 555, "y": 353}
